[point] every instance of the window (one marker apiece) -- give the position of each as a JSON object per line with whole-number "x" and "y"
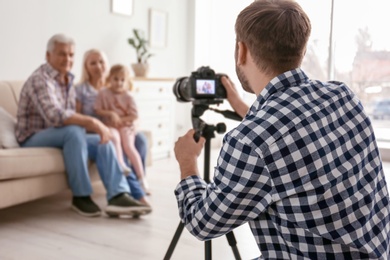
{"x": 359, "y": 52}
{"x": 356, "y": 50}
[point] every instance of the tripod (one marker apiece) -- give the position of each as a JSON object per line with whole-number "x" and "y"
{"x": 207, "y": 131}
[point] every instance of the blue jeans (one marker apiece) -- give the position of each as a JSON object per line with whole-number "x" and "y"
{"x": 77, "y": 147}
{"x": 141, "y": 144}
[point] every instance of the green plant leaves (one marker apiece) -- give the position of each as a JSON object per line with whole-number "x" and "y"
{"x": 139, "y": 43}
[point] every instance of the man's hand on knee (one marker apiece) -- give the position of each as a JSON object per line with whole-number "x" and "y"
{"x": 102, "y": 130}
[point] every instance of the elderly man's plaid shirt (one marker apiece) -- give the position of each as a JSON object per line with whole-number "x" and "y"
{"x": 44, "y": 102}
{"x": 303, "y": 168}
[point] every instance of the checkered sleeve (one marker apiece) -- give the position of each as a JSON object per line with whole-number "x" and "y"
{"x": 304, "y": 170}
{"x": 240, "y": 191}
{"x": 44, "y": 96}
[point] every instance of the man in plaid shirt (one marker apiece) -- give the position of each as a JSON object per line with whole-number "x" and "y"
{"x": 302, "y": 168}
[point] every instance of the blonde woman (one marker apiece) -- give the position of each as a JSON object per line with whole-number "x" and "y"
{"x": 93, "y": 77}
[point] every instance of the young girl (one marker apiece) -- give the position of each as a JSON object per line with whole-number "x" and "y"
{"x": 118, "y": 111}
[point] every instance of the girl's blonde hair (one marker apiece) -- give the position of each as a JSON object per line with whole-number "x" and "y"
{"x": 119, "y": 68}
{"x": 84, "y": 73}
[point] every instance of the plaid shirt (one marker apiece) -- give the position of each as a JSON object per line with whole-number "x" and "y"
{"x": 44, "y": 102}
{"x": 303, "y": 168}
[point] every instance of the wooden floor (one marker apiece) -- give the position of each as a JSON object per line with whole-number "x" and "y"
{"x": 49, "y": 229}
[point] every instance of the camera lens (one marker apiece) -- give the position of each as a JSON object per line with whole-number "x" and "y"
{"x": 182, "y": 90}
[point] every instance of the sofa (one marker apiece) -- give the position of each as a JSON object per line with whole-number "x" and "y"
{"x": 27, "y": 174}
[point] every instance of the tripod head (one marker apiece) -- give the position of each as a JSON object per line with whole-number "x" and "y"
{"x": 203, "y": 129}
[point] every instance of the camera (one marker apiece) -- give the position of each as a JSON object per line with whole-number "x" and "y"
{"x": 203, "y": 84}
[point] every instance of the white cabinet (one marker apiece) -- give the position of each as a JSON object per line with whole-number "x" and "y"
{"x": 156, "y": 101}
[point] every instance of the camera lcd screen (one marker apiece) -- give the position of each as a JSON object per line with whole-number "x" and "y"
{"x": 205, "y": 86}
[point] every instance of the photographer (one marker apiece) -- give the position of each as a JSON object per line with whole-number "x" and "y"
{"x": 302, "y": 168}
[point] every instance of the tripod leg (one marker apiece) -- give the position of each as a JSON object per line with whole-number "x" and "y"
{"x": 207, "y": 250}
{"x": 233, "y": 244}
{"x": 174, "y": 241}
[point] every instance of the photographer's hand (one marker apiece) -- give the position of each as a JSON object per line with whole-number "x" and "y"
{"x": 187, "y": 151}
{"x": 234, "y": 98}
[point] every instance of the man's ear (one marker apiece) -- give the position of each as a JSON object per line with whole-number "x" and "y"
{"x": 47, "y": 56}
{"x": 242, "y": 52}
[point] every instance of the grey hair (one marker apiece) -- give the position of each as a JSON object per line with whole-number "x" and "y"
{"x": 58, "y": 38}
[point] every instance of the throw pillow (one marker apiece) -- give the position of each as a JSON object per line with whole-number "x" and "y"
{"x": 7, "y": 130}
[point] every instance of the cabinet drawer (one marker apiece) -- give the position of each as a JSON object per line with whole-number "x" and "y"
{"x": 152, "y": 90}
{"x": 161, "y": 143}
{"x": 157, "y": 124}
{"x": 155, "y": 102}
{"x": 154, "y": 109}
{"x": 162, "y": 154}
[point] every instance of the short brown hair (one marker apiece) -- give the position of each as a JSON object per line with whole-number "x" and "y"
{"x": 276, "y": 33}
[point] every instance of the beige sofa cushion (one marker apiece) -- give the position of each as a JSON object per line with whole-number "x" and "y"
{"x": 7, "y": 130}
{"x": 28, "y": 162}
{"x": 26, "y": 189}
{"x": 8, "y": 96}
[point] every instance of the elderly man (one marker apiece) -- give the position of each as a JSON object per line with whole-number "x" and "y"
{"x": 47, "y": 118}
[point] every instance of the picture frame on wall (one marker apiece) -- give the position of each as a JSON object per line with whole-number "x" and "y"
{"x": 122, "y": 7}
{"x": 158, "y": 21}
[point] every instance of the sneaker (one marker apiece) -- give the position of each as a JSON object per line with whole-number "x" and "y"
{"x": 124, "y": 204}
{"x": 85, "y": 206}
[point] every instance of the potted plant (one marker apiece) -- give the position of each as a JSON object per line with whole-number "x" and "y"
{"x": 139, "y": 43}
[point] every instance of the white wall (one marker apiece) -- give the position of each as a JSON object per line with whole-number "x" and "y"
{"x": 215, "y": 40}
{"x": 25, "y": 27}
{"x": 213, "y": 44}
{"x": 215, "y": 35}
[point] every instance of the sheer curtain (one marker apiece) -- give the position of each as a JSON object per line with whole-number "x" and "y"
{"x": 358, "y": 53}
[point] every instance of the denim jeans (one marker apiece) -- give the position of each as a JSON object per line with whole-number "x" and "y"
{"x": 77, "y": 147}
{"x": 141, "y": 144}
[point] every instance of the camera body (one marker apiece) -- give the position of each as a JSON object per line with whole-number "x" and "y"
{"x": 203, "y": 84}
